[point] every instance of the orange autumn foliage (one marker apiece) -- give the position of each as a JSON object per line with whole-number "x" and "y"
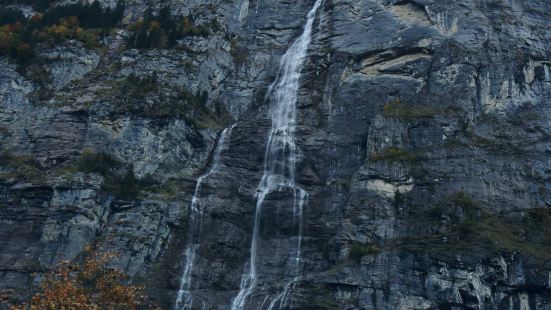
{"x": 91, "y": 285}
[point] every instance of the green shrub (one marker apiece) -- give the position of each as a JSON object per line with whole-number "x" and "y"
{"x": 539, "y": 215}
{"x": 395, "y": 154}
{"x": 90, "y": 15}
{"x": 464, "y": 200}
{"x": 504, "y": 147}
{"x": 9, "y": 159}
{"x": 357, "y": 251}
{"x": 101, "y": 163}
{"x": 184, "y": 105}
{"x": 11, "y": 16}
{"x": 397, "y": 109}
{"x": 51, "y": 25}
{"x": 40, "y": 5}
{"x": 19, "y": 166}
{"x": 125, "y": 186}
{"x": 136, "y": 86}
{"x": 471, "y": 228}
{"x": 164, "y": 30}
{"x": 238, "y": 53}
{"x": 119, "y": 179}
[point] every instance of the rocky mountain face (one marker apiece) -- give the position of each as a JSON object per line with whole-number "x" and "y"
{"x": 422, "y": 133}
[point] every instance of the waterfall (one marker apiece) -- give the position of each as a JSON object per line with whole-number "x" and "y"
{"x": 281, "y": 153}
{"x": 184, "y": 298}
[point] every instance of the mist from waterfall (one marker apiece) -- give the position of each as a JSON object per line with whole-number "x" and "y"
{"x": 281, "y": 155}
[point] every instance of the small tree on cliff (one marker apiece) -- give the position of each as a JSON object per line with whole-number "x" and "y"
{"x": 91, "y": 285}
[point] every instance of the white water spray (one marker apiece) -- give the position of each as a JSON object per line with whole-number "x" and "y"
{"x": 281, "y": 154}
{"x": 184, "y": 298}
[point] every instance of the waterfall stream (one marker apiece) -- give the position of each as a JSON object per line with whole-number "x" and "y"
{"x": 281, "y": 155}
{"x": 184, "y": 298}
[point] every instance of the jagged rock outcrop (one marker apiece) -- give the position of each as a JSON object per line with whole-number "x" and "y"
{"x": 423, "y": 129}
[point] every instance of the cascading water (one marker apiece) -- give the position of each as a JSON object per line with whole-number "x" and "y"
{"x": 281, "y": 154}
{"x": 184, "y": 298}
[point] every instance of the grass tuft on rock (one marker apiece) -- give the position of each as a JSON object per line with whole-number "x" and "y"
{"x": 396, "y": 154}
{"x": 397, "y": 109}
{"x": 19, "y": 166}
{"x": 119, "y": 179}
{"x": 358, "y": 251}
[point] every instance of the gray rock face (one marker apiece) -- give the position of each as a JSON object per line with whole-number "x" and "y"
{"x": 67, "y": 63}
{"x": 424, "y": 132}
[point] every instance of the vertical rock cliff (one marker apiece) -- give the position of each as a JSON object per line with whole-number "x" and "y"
{"x": 408, "y": 167}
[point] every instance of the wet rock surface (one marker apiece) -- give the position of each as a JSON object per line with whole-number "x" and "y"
{"x": 423, "y": 128}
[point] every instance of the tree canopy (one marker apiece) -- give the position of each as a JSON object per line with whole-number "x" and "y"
{"x": 90, "y": 285}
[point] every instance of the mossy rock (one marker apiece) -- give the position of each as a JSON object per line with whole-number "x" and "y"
{"x": 358, "y": 251}
{"x": 399, "y": 110}
{"x": 465, "y": 226}
{"x": 396, "y": 154}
